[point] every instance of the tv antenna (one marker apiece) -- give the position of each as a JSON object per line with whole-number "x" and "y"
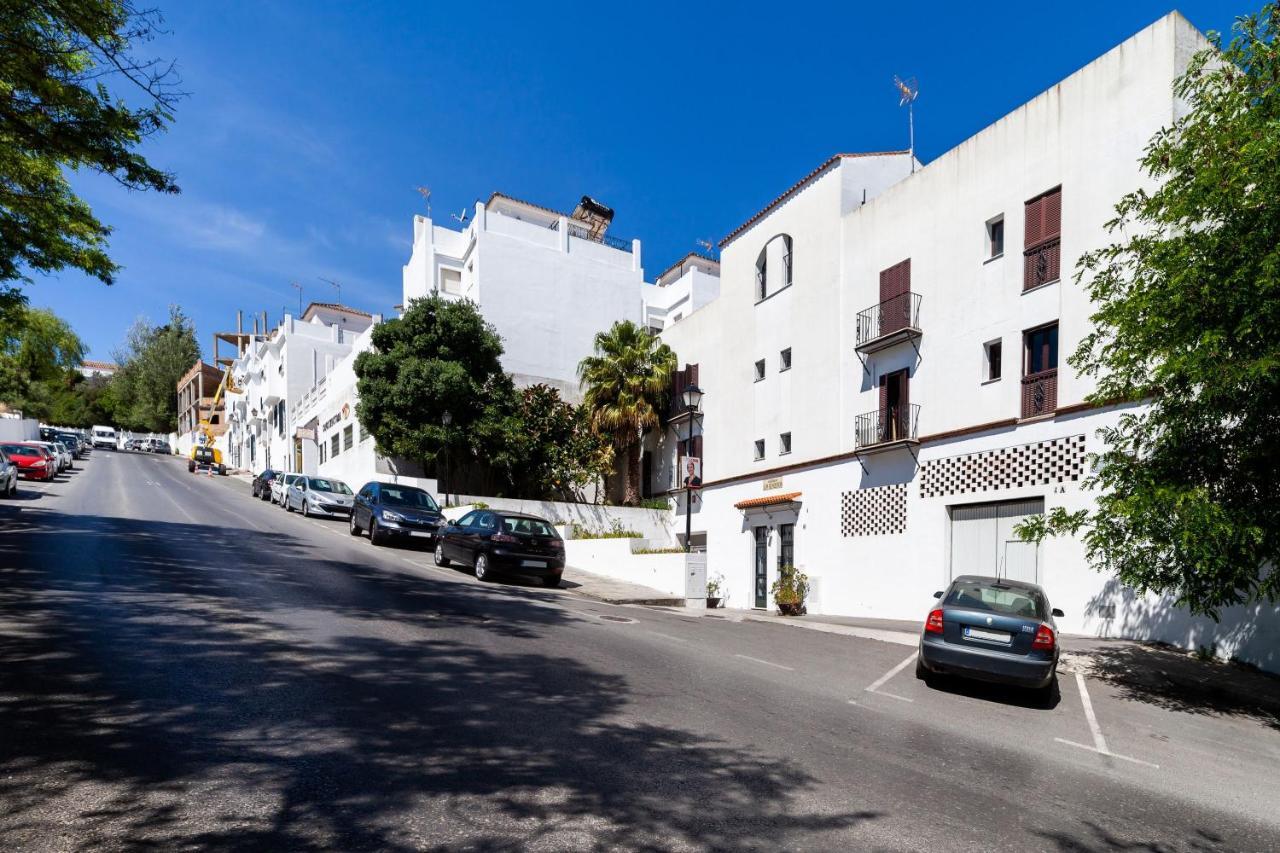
{"x": 335, "y": 285}
{"x": 707, "y": 246}
{"x": 425, "y": 192}
{"x": 461, "y": 217}
{"x": 298, "y": 288}
{"x": 908, "y": 91}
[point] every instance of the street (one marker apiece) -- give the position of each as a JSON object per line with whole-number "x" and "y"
{"x": 184, "y": 667}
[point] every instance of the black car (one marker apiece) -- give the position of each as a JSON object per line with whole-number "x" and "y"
{"x": 392, "y": 510}
{"x": 72, "y": 441}
{"x": 992, "y": 629}
{"x": 261, "y": 485}
{"x": 494, "y": 541}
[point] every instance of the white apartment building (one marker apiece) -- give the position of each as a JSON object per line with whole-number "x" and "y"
{"x": 684, "y": 287}
{"x": 885, "y": 376}
{"x": 276, "y": 372}
{"x": 548, "y": 281}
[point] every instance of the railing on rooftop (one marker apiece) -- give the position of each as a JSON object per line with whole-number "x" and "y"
{"x": 581, "y": 233}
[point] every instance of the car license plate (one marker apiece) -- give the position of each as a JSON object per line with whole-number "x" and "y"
{"x": 421, "y": 533}
{"x": 534, "y": 564}
{"x": 983, "y": 634}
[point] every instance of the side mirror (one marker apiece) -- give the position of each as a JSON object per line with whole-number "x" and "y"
{"x": 938, "y": 594}
{"x": 1057, "y": 612}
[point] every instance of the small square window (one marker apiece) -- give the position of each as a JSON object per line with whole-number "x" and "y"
{"x": 784, "y": 359}
{"x": 995, "y": 237}
{"x": 992, "y": 352}
{"x": 759, "y": 449}
{"x": 760, "y": 370}
{"x": 784, "y": 444}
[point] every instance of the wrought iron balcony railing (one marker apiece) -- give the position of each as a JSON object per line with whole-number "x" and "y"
{"x": 884, "y": 324}
{"x": 886, "y": 426}
{"x": 1040, "y": 393}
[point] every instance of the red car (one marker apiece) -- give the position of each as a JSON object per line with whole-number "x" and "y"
{"x": 33, "y": 461}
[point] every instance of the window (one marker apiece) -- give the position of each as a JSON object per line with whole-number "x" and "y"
{"x": 992, "y": 351}
{"x": 784, "y": 360}
{"x": 995, "y": 237}
{"x": 450, "y": 280}
{"x": 1041, "y": 349}
{"x": 759, "y": 449}
{"x": 348, "y": 437}
{"x": 333, "y": 446}
{"x": 784, "y": 444}
{"x": 322, "y": 450}
{"x": 760, "y": 370}
{"x": 1042, "y": 250}
{"x": 762, "y": 274}
{"x": 773, "y": 267}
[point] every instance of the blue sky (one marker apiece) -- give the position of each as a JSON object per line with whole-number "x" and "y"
{"x": 310, "y": 124}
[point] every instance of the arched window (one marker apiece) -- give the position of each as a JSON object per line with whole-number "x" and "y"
{"x": 762, "y": 274}
{"x": 773, "y": 266}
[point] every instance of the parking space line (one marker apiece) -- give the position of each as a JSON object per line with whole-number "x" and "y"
{"x": 884, "y": 679}
{"x": 765, "y": 662}
{"x": 669, "y": 637}
{"x": 1099, "y": 742}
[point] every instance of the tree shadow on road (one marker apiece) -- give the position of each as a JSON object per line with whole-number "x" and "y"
{"x": 184, "y": 685}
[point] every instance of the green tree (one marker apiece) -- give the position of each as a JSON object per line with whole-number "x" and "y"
{"x": 555, "y": 453}
{"x": 151, "y": 362}
{"x": 625, "y": 384}
{"x": 57, "y": 113}
{"x": 439, "y": 356}
{"x": 39, "y": 354}
{"x": 1188, "y": 321}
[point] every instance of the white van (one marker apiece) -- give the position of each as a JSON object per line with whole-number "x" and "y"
{"x": 104, "y": 436}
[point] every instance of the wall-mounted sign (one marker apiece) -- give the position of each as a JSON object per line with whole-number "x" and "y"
{"x": 333, "y": 420}
{"x": 306, "y": 434}
{"x": 775, "y": 483}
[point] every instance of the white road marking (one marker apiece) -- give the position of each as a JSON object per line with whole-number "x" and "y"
{"x": 669, "y": 637}
{"x": 882, "y": 680}
{"x": 1099, "y": 742}
{"x": 765, "y": 662}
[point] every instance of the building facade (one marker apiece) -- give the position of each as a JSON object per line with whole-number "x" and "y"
{"x": 885, "y": 376}
{"x": 681, "y": 289}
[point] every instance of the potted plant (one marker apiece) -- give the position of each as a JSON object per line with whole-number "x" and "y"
{"x": 790, "y": 590}
{"x": 714, "y": 587}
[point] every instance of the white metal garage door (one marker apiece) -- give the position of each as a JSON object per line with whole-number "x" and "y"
{"x": 983, "y": 541}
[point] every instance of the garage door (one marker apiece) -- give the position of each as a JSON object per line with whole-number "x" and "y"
{"x": 983, "y": 541}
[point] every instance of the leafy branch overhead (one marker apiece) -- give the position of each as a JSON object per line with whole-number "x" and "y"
{"x": 59, "y": 113}
{"x": 1188, "y": 322}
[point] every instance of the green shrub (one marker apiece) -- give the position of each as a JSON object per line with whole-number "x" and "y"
{"x": 672, "y": 550}
{"x": 656, "y": 503}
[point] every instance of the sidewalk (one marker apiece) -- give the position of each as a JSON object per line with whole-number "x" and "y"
{"x": 613, "y": 591}
{"x": 904, "y": 633}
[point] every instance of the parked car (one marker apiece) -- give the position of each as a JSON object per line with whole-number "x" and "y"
{"x": 390, "y": 510}
{"x": 319, "y": 496}
{"x": 280, "y": 484}
{"x": 159, "y": 445}
{"x": 105, "y": 437}
{"x": 8, "y": 476}
{"x": 132, "y": 444}
{"x": 62, "y": 458}
{"x": 261, "y": 485}
{"x": 992, "y": 629}
{"x": 34, "y": 461}
{"x": 73, "y": 443}
{"x": 494, "y": 542}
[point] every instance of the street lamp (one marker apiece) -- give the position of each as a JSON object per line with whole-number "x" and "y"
{"x": 692, "y": 398}
{"x": 447, "y": 420}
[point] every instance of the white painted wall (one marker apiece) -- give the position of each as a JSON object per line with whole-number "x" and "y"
{"x": 613, "y": 558}
{"x": 19, "y": 429}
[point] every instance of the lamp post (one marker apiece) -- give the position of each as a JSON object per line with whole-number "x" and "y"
{"x": 447, "y": 420}
{"x": 692, "y": 398}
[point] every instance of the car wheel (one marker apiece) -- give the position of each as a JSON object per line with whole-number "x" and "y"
{"x": 552, "y": 581}
{"x": 354, "y": 528}
{"x": 482, "y": 567}
{"x": 375, "y": 535}
{"x": 1047, "y": 697}
{"x": 922, "y": 673}
{"x": 288, "y": 505}
{"x": 306, "y": 511}
{"x": 441, "y": 559}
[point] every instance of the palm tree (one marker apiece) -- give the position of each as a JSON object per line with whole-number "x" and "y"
{"x": 624, "y": 386}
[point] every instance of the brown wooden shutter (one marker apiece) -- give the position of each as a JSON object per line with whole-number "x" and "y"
{"x": 884, "y": 395}
{"x": 692, "y": 370}
{"x": 895, "y": 304}
{"x": 1033, "y": 232}
{"x": 1042, "y": 249}
{"x": 1051, "y": 213}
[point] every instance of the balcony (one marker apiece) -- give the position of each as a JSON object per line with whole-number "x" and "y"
{"x": 1040, "y": 393}
{"x": 885, "y": 429}
{"x": 889, "y": 323}
{"x": 1042, "y": 264}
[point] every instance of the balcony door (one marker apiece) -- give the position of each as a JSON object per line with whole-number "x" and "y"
{"x": 895, "y": 406}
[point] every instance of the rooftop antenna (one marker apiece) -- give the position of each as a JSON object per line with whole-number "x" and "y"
{"x": 461, "y": 217}
{"x": 425, "y": 192}
{"x": 334, "y": 285}
{"x": 707, "y": 246}
{"x": 298, "y": 288}
{"x": 908, "y": 91}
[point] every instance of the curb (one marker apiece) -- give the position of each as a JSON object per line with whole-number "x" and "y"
{"x": 651, "y": 602}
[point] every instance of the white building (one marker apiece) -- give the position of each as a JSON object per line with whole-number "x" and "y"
{"x": 276, "y": 372}
{"x": 886, "y": 385}
{"x": 548, "y": 281}
{"x": 684, "y": 287}
{"x": 89, "y": 369}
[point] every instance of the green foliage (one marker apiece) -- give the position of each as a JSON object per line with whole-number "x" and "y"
{"x": 674, "y": 549}
{"x": 791, "y": 587}
{"x": 39, "y": 354}
{"x": 58, "y": 113}
{"x": 715, "y": 585}
{"x": 625, "y": 384}
{"x": 615, "y": 531}
{"x": 151, "y": 362}
{"x": 1188, "y": 319}
{"x": 656, "y": 503}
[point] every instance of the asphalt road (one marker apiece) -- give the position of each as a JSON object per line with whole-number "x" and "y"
{"x": 184, "y": 668}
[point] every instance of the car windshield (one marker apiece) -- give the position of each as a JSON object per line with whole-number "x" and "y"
{"x": 338, "y": 487}
{"x": 402, "y": 496}
{"x": 527, "y": 526}
{"x": 998, "y": 598}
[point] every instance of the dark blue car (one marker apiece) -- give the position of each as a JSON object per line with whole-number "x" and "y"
{"x": 992, "y": 629}
{"x": 393, "y": 511}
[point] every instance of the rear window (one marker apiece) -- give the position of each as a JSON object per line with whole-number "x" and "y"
{"x": 528, "y": 527}
{"x": 997, "y": 598}
{"x": 403, "y": 496}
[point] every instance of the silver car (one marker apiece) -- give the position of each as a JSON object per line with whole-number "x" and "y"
{"x": 319, "y": 496}
{"x": 8, "y": 477}
{"x": 280, "y": 485}
{"x": 60, "y": 453}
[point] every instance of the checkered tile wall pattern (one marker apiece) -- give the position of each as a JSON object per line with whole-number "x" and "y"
{"x": 875, "y": 511}
{"x": 1058, "y": 460}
